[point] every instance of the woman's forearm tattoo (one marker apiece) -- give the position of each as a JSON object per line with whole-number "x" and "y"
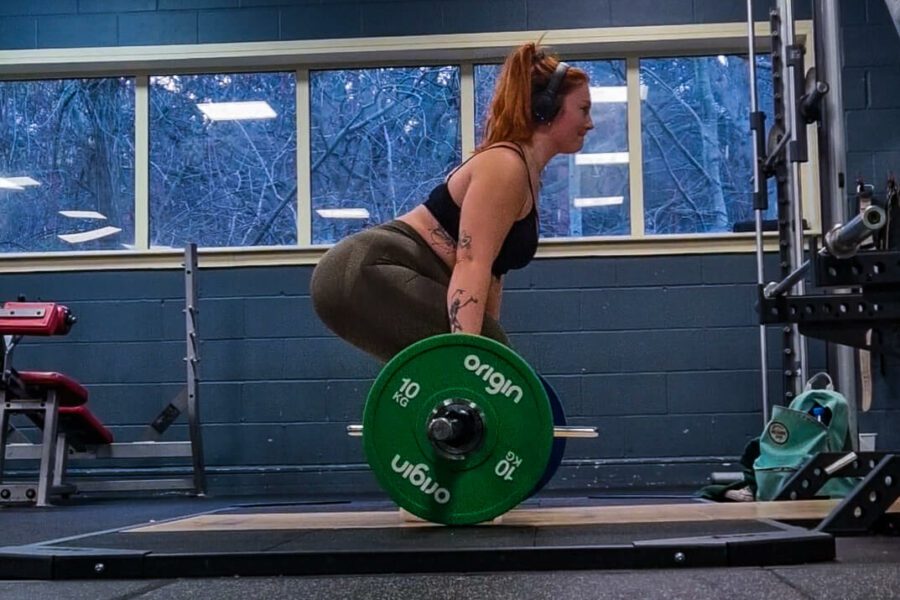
{"x": 465, "y": 240}
{"x": 458, "y": 301}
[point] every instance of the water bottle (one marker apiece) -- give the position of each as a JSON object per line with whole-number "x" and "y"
{"x": 821, "y": 414}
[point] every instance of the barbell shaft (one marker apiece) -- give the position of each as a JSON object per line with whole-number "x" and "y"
{"x": 558, "y": 431}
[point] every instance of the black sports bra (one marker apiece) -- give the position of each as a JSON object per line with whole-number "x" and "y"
{"x": 521, "y": 242}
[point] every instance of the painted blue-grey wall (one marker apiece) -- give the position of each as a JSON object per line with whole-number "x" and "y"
{"x": 871, "y": 95}
{"x": 82, "y": 23}
{"x": 660, "y": 352}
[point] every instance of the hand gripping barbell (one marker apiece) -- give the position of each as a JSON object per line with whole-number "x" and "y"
{"x": 459, "y": 429}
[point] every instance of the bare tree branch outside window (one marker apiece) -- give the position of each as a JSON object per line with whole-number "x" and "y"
{"x": 381, "y": 140}
{"x": 698, "y": 154}
{"x": 223, "y": 181}
{"x": 66, "y": 165}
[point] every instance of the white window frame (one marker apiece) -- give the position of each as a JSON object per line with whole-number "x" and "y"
{"x": 464, "y": 50}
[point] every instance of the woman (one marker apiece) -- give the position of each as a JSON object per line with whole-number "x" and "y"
{"x": 439, "y": 268}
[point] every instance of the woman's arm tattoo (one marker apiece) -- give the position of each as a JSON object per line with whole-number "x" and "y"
{"x": 459, "y": 301}
{"x": 442, "y": 240}
{"x": 465, "y": 240}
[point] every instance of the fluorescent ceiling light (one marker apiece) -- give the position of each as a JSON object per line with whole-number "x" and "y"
{"x": 612, "y": 94}
{"x": 87, "y": 236}
{"x": 9, "y": 184}
{"x": 82, "y": 214}
{"x": 343, "y": 213}
{"x": 237, "y": 111}
{"x": 601, "y": 95}
{"x": 23, "y": 181}
{"x": 598, "y": 201}
{"x": 602, "y": 158}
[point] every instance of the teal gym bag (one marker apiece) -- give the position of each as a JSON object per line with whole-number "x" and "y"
{"x": 816, "y": 421}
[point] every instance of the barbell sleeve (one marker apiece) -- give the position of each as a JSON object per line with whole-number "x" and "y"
{"x": 558, "y": 431}
{"x": 841, "y": 242}
{"x": 844, "y": 240}
{"x": 562, "y": 431}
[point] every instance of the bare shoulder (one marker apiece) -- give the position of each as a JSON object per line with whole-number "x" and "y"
{"x": 498, "y": 171}
{"x": 497, "y": 185}
{"x": 504, "y": 155}
{"x": 503, "y": 165}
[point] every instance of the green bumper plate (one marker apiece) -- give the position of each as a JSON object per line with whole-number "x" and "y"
{"x": 492, "y": 478}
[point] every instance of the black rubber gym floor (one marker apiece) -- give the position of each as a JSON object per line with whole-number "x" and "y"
{"x": 524, "y": 562}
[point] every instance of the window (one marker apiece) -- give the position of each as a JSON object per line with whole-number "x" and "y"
{"x": 66, "y": 164}
{"x": 698, "y": 152}
{"x": 348, "y": 135}
{"x": 584, "y": 194}
{"x": 223, "y": 169}
{"x": 381, "y": 140}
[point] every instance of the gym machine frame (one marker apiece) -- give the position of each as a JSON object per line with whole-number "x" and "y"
{"x": 860, "y": 312}
{"x": 863, "y": 309}
{"x": 865, "y": 508}
{"x": 55, "y": 450}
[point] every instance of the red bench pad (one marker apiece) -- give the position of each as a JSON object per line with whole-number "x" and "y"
{"x": 69, "y": 391}
{"x": 81, "y": 425}
{"x": 53, "y": 319}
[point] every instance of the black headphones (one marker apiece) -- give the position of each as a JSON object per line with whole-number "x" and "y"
{"x": 545, "y": 104}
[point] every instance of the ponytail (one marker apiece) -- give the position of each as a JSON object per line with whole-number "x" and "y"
{"x": 526, "y": 72}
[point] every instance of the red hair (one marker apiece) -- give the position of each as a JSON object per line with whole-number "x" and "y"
{"x": 527, "y": 71}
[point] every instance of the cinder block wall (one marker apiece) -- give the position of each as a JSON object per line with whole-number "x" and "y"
{"x": 85, "y": 23}
{"x": 660, "y": 352}
{"x": 871, "y": 94}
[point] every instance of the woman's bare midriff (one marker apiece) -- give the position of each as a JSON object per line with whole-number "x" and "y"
{"x": 421, "y": 219}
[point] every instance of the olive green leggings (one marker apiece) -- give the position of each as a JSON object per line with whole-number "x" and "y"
{"x": 383, "y": 289}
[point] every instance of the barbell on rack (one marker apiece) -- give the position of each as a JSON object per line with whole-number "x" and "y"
{"x": 459, "y": 429}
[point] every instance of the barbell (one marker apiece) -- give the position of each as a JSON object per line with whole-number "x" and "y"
{"x": 458, "y": 429}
